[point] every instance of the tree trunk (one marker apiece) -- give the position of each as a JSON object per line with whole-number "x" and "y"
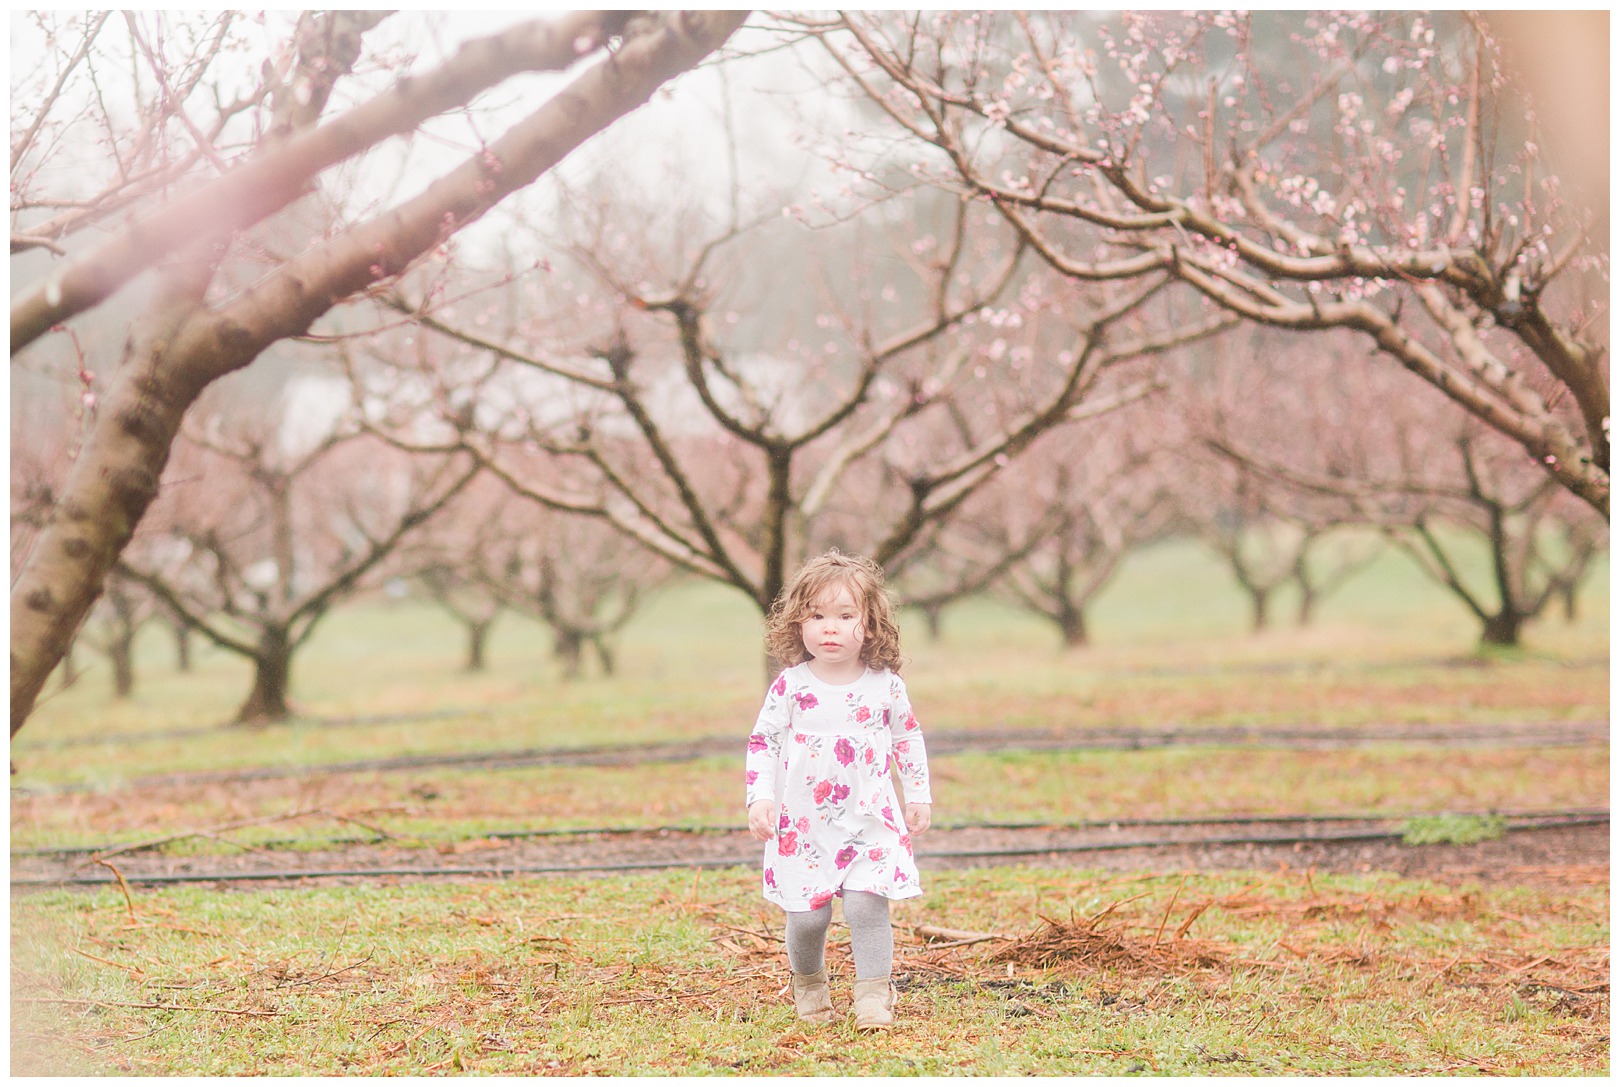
{"x": 568, "y": 649}
{"x": 182, "y": 647}
{"x": 1072, "y": 622}
{"x": 272, "y": 674}
{"x": 1502, "y": 629}
{"x": 477, "y": 642}
{"x": 1569, "y": 592}
{"x": 1307, "y": 603}
{"x": 112, "y": 481}
{"x": 1259, "y": 609}
{"x": 605, "y": 655}
{"x": 933, "y": 620}
{"x": 122, "y": 653}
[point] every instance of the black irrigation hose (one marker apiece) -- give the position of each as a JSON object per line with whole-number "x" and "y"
{"x": 496, "y": 871}
{"x": 1551, "y": 734}
{"x": 1522, "y": 814}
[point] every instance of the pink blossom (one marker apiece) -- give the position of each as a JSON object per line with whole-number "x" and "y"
{"x": 783, "y": 822}
{"x": 806, "y": 700}
{"x": 770, "y": 877}
{"x": 803, "y": 824}
{"x": 871, "y": 756}
{"x": 911, "y": 721}
{"x": 780, "y": 686}
{"x": 752, "y": 776}
{"x": 822, "y": 790}
{"x": 863, "y": 715}
{"x": 840, "y": 792}
{"x": 875, "y": 853}
{"x": 787, "y": 844}
{"x": 905, "y": 842}
{"x": 820, "y": 899}
{"x": 756, "y": 742}
{"x": 845, "y": 855}
{"x": 844, "y": 751}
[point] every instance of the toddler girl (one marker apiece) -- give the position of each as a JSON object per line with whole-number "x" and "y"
{"x": 819, "y": 784}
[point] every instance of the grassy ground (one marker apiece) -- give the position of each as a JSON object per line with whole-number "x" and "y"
{"x": 1170, "y": 647}
{"x": 440, "y": 805}
{"x": 680, "y": 974}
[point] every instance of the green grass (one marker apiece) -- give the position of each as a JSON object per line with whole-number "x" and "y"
{"x": 650, "y": 975}
{"x": 1170, "y": 648}
{"x": 1452, "y": 829}
{"x": 656, "y": 974}
{"x": 1170, "y": 651}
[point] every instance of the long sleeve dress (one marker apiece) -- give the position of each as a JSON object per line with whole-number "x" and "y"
{"x": 822, "y": 753}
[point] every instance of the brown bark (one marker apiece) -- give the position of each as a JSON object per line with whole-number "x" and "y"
{"x": 116, "y": 475}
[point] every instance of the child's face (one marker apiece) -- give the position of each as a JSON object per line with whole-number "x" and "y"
{"x": 834, "y": 633}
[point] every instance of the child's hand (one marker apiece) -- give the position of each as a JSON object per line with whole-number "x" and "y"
{"x": 761, "y": 814}
{"x": 917, "y": 818}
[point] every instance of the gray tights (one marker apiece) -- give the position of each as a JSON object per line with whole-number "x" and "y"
{"x": 871, "y": 938}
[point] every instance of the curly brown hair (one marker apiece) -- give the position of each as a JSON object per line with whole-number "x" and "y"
{"x": 809, "y": 583}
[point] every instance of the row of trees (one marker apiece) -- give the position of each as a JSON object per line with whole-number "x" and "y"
{"x": 270, "y": 524}
{"x": 994, "y": 355}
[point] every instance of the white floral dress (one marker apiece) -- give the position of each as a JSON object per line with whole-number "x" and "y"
{"x": 822, "y": 753}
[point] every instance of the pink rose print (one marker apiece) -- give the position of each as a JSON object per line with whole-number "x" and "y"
{"x": 899, "y": 876}
{"x": 822, "y": 791}
{"x": 863, "y": 715}
{"x": 885, "y": 717}
{"x": 902, "y": 747}
{"x": 753, "y": 776}
{"x": 888, "y": 817}
{"x": 840, "y": 792}
{"x": 911, "y": 721}
{"x": 820, "y": 899}
{"x": 787, "y": 844}
{"x": 800, "y": 738}
{"x": 803, "y": 825}
{"x": 783, "y": 822}
{"x": 871, "y": 755}
{"x": 844, "y": 751}
{"x": 806, "y": 700}
{"x": 780, "y": 686}
{"x": 756, "y": 742}
{"x": 845, "y": 855}
{"x": 770, "y": 877}
{"x": 875, "y": 854}
{"x": 905, "y": 842}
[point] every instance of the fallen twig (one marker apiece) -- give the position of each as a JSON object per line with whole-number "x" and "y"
{"x": 109, "y": 962}
{"x": 1171, "y": 905}
{"x": 956, "y": 937}
{"x": 332, "y": 974}
{"x": 768, "y": 937}
{"x": 129, "y": 900}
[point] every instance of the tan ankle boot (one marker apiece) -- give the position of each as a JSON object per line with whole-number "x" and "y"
{"x": 874, "y": 1004}
{"x": 812, "y": 999}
